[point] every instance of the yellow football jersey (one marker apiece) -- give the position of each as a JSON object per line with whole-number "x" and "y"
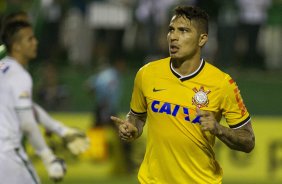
{"x": 177, "y": 150}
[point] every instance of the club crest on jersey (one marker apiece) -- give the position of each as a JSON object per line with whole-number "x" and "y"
{"x": 200, "y": 98}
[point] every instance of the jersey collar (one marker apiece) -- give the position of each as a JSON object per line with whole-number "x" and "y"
{"x": 187, "y": 77}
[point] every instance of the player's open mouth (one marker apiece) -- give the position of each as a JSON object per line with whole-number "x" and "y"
{"x": 173, "y": 49}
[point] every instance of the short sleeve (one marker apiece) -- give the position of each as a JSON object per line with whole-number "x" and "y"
{"x": 232, "y": 106}
{"x": 138, "y": 101}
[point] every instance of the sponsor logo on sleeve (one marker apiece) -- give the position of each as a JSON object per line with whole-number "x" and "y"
{"x": 24, "y": 95}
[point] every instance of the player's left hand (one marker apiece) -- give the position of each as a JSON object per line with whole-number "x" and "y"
{"x": 77, "y": 141}
{"x": 208, "y": 121}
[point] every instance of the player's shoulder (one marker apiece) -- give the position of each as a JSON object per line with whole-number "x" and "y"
{"x": 12, "y": 69}
{"x": 8, "y": 62}
{"x": 6, "y": 65}
{"x": 214, "y": 71}
{"x": 156, "y": 64}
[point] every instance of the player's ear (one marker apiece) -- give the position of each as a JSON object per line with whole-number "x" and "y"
{"x": 203, "y": 39}
{"x": 16, "y": 47}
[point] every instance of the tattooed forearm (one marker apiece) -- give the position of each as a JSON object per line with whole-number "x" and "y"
{"x": 241, "y": 139}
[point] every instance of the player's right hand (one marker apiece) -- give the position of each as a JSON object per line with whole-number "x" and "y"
{"x": 56, "y": 169}
{"x": 126, "y": 130}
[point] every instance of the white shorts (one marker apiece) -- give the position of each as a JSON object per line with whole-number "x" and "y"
{"x": 15, "y": 168}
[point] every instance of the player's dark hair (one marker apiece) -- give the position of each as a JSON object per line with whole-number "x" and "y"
{"x": 9, "y": 34}
{"x": 12, "y": 17}
{"x": 15, "y": 16}
{"x": 194, "y": 13}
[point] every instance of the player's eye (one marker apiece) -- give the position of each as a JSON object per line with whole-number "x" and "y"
{"x": 170, "y": 29}
{"x": 183, "y": 30}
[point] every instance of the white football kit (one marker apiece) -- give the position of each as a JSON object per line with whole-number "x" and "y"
{"x": 15, "y": 96}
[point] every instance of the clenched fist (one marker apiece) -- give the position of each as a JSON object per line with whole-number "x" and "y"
{"x": 208, "y": 121}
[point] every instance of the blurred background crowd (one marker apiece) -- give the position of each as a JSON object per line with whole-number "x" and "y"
{"x": 89, "y": 36}
{"x": 90, "y": 50}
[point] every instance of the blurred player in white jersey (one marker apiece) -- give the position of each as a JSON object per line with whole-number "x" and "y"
{"x": 17, "y": 117}
{"x": 76, "y": 140}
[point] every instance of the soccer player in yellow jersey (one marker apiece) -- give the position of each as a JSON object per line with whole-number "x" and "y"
{"x": 182, "y": 99}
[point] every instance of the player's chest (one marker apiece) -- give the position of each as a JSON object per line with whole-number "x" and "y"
{"x": 187, "y": 93}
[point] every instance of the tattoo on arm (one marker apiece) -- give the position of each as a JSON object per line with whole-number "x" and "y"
{"x": 241, "y": 139}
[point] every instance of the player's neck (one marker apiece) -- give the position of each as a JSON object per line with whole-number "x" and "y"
{"x": 187, "y": 66}
{"x": 20, "y": 59}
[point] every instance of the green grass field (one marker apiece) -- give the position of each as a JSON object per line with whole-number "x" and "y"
{"x": 84, "y": 170}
